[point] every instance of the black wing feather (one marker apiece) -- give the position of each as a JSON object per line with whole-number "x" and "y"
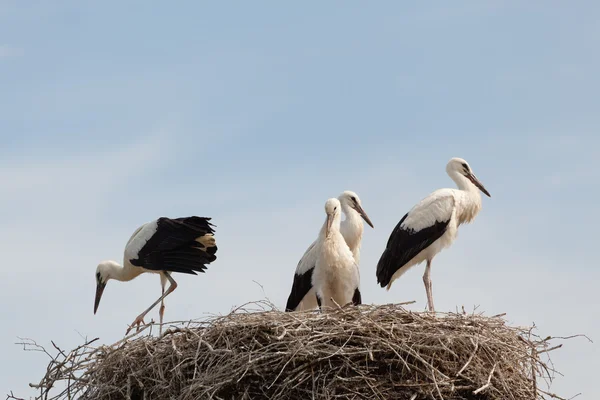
{"x": 301, "y": 286}
{"x": 356, "y": 299}
{"x": 174, "y": 248}
{"x": 403, "y": 245}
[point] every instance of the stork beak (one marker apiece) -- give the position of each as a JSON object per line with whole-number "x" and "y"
{"x": 329, "y": 223}
{"x": 99, "y": 289}
{"x": 363, "y": 214}
{"x": 476, "y": 182}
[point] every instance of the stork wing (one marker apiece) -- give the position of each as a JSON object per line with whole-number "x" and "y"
{"x": 417, "y": 230}
{"x": 303, "y": 277}
{"x": 181, "y": 245}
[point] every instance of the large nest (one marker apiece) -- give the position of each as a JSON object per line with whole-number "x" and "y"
{"x": 382, "y": 352}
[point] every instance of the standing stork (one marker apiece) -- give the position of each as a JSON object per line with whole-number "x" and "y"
{"x": 336, "y": 277}
{"x": 161, "y": 246}
{"x": 430, "y": 226}
{"x": 302, "y": 295}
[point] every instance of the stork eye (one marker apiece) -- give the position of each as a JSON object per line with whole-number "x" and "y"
{"x": 466, "y": 167}
{"x": 353, "y": 198}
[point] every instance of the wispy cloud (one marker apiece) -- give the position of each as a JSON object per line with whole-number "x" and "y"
{"x": 93, "y": 171}
{"x": 7, "y": 51}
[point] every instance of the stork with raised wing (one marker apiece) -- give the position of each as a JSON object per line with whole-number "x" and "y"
{"x": 430, "y": 226}
{"x": 162, "y": 246}
{"x": 302, "y": 295}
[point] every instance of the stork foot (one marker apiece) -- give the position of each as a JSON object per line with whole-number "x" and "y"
{"x": 137, "y": 322}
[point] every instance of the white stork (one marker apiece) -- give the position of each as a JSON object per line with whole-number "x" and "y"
{"x": 302, "y": 296}
{"x": 161, "y": 246}
{"x": 336, "y": 277}
{"x": 430, "y": 226}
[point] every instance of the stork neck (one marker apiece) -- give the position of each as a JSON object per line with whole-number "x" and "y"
{"x": 123, "y": 273}
{"x": 337, "y": 219}
{"x": 463, "y": 183}
{"x": 349, "y": 212}
{"x": 469, "y": 202}
{"x": 335, "y": 226}
{"x": 352, "y": 227}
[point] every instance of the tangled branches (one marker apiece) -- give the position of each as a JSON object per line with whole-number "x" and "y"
{"x": 380, "y": 352}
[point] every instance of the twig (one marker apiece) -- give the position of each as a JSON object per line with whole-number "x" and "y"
{"x": 489, "y": 381}
{"x": 476, "y": 346}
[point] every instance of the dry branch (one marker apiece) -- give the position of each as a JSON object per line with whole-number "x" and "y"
{"x": 379, "y": 352}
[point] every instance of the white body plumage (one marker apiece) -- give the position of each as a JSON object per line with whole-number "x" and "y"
{"x": 351, "y": 228}
{"x": 165, "y": 245}
{"x": 453, "y": 205}
{"x": 430, "y": 226}
{"x": 336, "y": 277}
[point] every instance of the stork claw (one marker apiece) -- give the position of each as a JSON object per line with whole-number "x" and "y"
{"x": 137, "y": 322}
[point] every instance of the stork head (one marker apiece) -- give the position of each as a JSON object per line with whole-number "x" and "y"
{"x": 459, "y": 166}
{"x": 333, "y": 209}
{"x": 351, "y": 200}
{"x": 103, "y": 274}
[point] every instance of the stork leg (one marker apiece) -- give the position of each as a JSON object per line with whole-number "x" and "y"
{"x": 428, "y": 286}
{"x": 140, "y": 318}
{"x": 161, "y": 312}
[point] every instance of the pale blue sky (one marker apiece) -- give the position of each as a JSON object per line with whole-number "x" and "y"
{"x": 113, "y": 114}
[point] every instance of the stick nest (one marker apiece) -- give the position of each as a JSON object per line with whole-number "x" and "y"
{"x": 374, "y": 352}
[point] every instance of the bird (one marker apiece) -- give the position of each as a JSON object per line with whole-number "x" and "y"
{"x": 336, "y": 278}
{"x": 302, "y": 295}
{"x": 430, "y": 226}
{"x": 185, "y": 245}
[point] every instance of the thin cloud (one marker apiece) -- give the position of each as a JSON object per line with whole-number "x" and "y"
{"x": 97, "y": 170}
{"x": 7, "y": 51}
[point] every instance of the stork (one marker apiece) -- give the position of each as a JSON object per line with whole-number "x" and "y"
{"x": 302, "y": 296}
{"x": 336, "y": 277}
{"x": 430, "y": 226}
{"x": 161, "y": 246}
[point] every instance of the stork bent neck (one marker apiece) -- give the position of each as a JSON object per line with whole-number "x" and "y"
{"x": 113, "y": 270}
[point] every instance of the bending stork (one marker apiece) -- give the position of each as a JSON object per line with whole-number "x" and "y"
{"x": 430, "y": 226}
{"x": 302, "y": 295}
{"x": 336, "y": 277}
{"x": 161, "y": 246}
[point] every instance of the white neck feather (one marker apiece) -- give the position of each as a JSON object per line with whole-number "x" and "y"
{"x": 335, "y": 225}
{"x": 352, "y": 228}
{"x": 462, "y": 182}
{"x": 116, "y": 271}
{"x": 469, "y": 204}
